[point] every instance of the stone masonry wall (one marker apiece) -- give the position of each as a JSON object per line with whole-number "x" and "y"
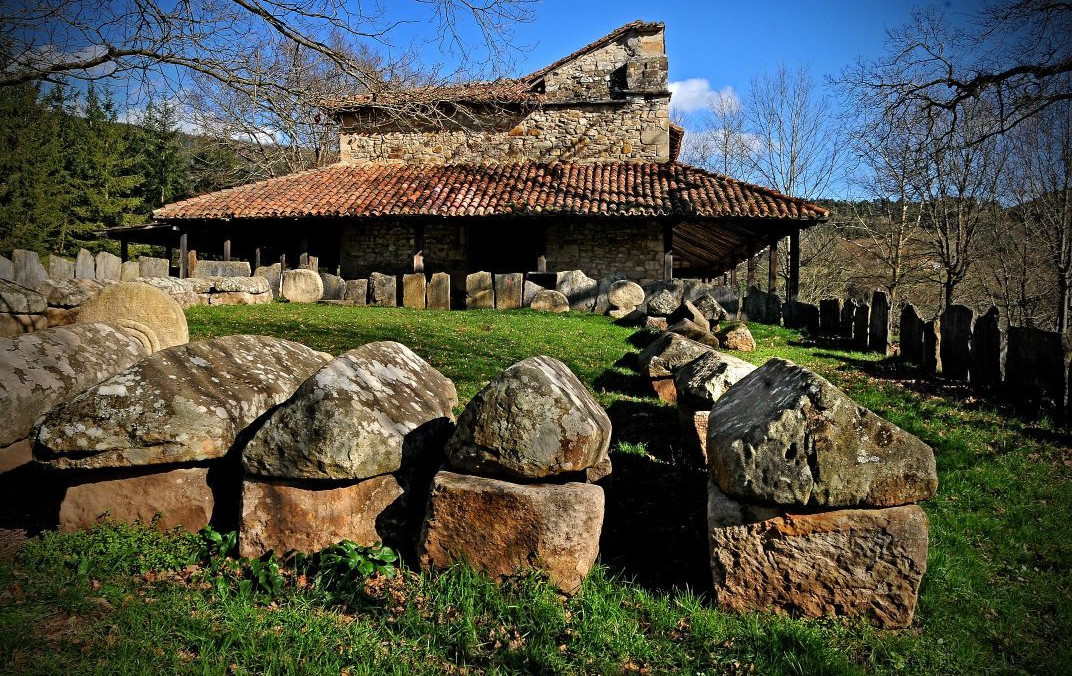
{"x": 609, "y": 105}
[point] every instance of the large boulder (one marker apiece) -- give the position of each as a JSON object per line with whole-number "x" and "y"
{"x": 736, "y": 336}
{"x": 308, "y": 517}
{"x": 850, "y": 562}
{"x": 502, "y": 528}
{"x": 663, "y": 303}
{"x": 690, "y": 312}
{"x": 43, "y": 369}
{"x": 698, "y": 385}
{"x": 550, "y": 300}
{"x": 534, "y": 420}
{"x": 787, "y": 436}
{"x": 579, "y": 289}
{"x": 364, "y": 413}
{"x": 184, "y": 404}
{"x": 661, "y": 360}
{"x": 182, "y": 497}
{"x": 301, "y": 286}
{"x": 694, "y": 331}
{"x": 148, "y": 314}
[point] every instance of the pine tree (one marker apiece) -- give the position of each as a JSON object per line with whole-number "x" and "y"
{"x": 162, "y": 160}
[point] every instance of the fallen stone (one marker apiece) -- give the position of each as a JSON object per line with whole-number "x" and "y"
{"x": 184, "y": 404}
{"x": 252, "y": 285}
{"x": 534, "y": 420}
{"x": 661, "y": 360}
{"x": 736, "y": 336}
{"x": 60, "y": 268}
{"x": 333, "y": 286}
{"x": 182, "y": 291}
{"x": 301, "y": 286}
{"x": 852, "y": 562}
{"x": 711, "y": 309}
{"x": 44, "y": 369}
{"x": 508, "y": 290}
{"x": 501, "y": 528}
{"x": 787, "y": 436}
{"x": 656, "y": 323}
{"x": 355, "y": 291}
{"x": 550, "y": 301}
{"x": 663, "y": 303}
{"x": 383, "y": 290}
{"x": 700, "y": 382}
{"x": 85, "y": 267}
{"x": 579, "y": 289}
{"x": 69, "y": 293}
{"x": 414, "y": 290}
{"x": 625, "y": 295}
{"x": 479, "y": 291}
{"x": 311, "y": 516}
{"x": 694, "y": 332}
{"x": 182, "y": 497}
{"x": 140, "y": 310}
{"x": 61, "y": 316}
{"x": 438, "y": 293}
{"x": 691, "y": 313}
{"x": 368, "y": 412}
{"x": 239, "y": 297}
{"x": 18, "y": 299}
{"x": 109, "y": 266}
{"x": 28, "y": 269}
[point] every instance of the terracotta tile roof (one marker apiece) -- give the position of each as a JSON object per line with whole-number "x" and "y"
{"x": 610, "y": 189}
{"x": 677, "y": 138}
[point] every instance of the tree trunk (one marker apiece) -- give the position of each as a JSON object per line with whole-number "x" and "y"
{"x": 1063, "y": 301}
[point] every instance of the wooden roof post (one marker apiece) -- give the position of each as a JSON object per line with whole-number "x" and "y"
{"x": 184, "y": 264}
{"x": 256, "y": 258}
{"x": 772, "y": 271}
{"x": 750, "y": 277}
{"x": 124, "y": 252}
{"x": 668, "y": 257}
{"x": 794, "y": 266}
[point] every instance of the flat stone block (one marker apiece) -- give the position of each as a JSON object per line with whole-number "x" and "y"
{"x": 414, "y": 290}
{"x": 439, "y": 291}
{"x": 479, "y": 291}
{"x": 182, "y": 497}
{"x": 508, "y": 290}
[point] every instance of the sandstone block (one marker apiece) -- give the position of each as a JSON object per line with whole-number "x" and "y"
{"x": 736, "y": 336}
{"x": 603, "y": 304}
{"x": 129, "y": 271}
{"x": 911, "y": 335}
{"x": 479, "y": 291}
{"x": 108, "y": 266}
{"x": 69, "y": 293}
{"x": 383, "y": 290}
{"x": 60, "y": 268}
{"x": 414, "y": 290}
{"x": 154, "y": 267}
{"x": 439, "y": 291}
{"x": 140, "y": 310}
{"x": 508, "y": 289}
{"x": 355, "y": 291}
{"x": 550, "y": 301}
{"x": 182, "y": 498}
{"x": 301, "y": 286}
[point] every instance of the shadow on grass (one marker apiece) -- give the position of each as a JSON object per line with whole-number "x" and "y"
{"x": 622, "y": 382}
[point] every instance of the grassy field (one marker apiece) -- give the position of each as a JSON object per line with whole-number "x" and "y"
{"x": 995, "y": 598}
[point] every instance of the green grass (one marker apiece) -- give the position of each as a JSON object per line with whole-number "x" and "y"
{"x": 995, "y": 598}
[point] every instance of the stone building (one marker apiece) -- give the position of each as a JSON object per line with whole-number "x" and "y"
{"x": 570, "y": 167}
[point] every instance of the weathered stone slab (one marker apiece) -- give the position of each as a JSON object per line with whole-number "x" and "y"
{"x": 550, "y": 300}
{"x": 183, "y": 404}
{"x": 142, "y": 311}
{"x": 878, "y": 337}
{"x": 333, "y": 286}
{"x": 182, "y": 497}
{"x": 830, "y": 316}
{"x": 154, "y": 267}
{"x": 302, "y": 286}
{"x": 364, "y": 413}
{"x": 693, "y": 331}
{"x": 580, "y": 289}
{"x": 534, "y": 420}
{"x": 68, "y": 293}
{"x": 502, "y": 528}
{"x": 129, "y": 271}
{"x": 15, "y": 298}
{"x": 662, "y": 303}
{"x": 861, "y": 326}
{"x": 662, "y": 359}
{"x": 414, "y": 290}
{"x": 355, "y": 291}
{"x": 625, "y": 295}
{"x": 603, "y": 304}
{"x": 43, "y": 369}
{"x": 530, "y": 290}
{"x": 848, "y": 320}
{"x": 987, "y": 357}
{"x": 956, "y": 328}
{"x": 109, "y": 266}
{"x": 308, "y": 517}
{"x": 60, "y": 268}
{"x": 28, "y": 269}
{"x": 85, "y": 267}
{"x": 439, "y": 291}
{"x": 508, "y": 290}
{"x": 932, "y": 346}
{"x": 911, "y": 335}
{"x": 1037, "y": 369}
{"x": 274, "y": 276}
{"x": 479, "y": 291}
{"x": 711, "y": 309}
{"x": 383, "y": 290}
{"x": 801, "y": 316}
{"x": 206, "y": 268}
{"x": 7, "y": 269}
{"x": 785, "y": 435}
{"x": 689, "y": 312}
{"x": 700, "y": 382}
{"x": 726, "y": 296}
{"x": 852, "y": 562}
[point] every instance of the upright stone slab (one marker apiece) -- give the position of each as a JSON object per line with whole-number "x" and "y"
{"x": 729, "y": 297}
{"x": 439, "y": 291}
{"x": 956, "y": 341}
{"x": 830, "y": 316}
{"x": 109, "y": 266}
{"x": 59, "y": 268}
{"x": 333, "y": 286}
{"x": 85, "y": 267}
{"x": 7, "y": 269}
{"x": 530, "y": 290}
{"x": 206, "y": 268}
{"x": 479, "y": 291}
{"x": 355, "y": 291}
{"x": 508, "y": 290}
{"x": 414, "y": 290}
{"x": 1037, "y": 369}
{"x": 28, "y": 269}
{"x": 383, "y": 290}
{"x": 878, "y": 339}
{"x": 848, "y": 319}
{"x": 987, "y": 357}
{"x": 861, "y": 324}
{"x": 932, "y": 346}
{"x": 160, "y": 267}
{"x": 911, "y": 335}
{"x": 755, "y": 306}
{"x": 802, "y": 316}
{"x": 580, "y": 289}
{"x": 130, "y": 271}
{"x": 603, "y": 303}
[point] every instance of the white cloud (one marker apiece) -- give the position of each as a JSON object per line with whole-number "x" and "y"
{"x": 695, "y": 94}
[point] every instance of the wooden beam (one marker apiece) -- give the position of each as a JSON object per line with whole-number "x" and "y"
{"x": 794, "y": 266}
{"x": 170, "y": 252}
{"x": 772, "y": 268}
{"x": 184, "y": 270}
{"x": 256, "y": 258}
{"x": 750, "y": 277}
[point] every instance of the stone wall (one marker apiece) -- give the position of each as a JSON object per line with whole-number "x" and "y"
{"x": 609, "y": 105}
